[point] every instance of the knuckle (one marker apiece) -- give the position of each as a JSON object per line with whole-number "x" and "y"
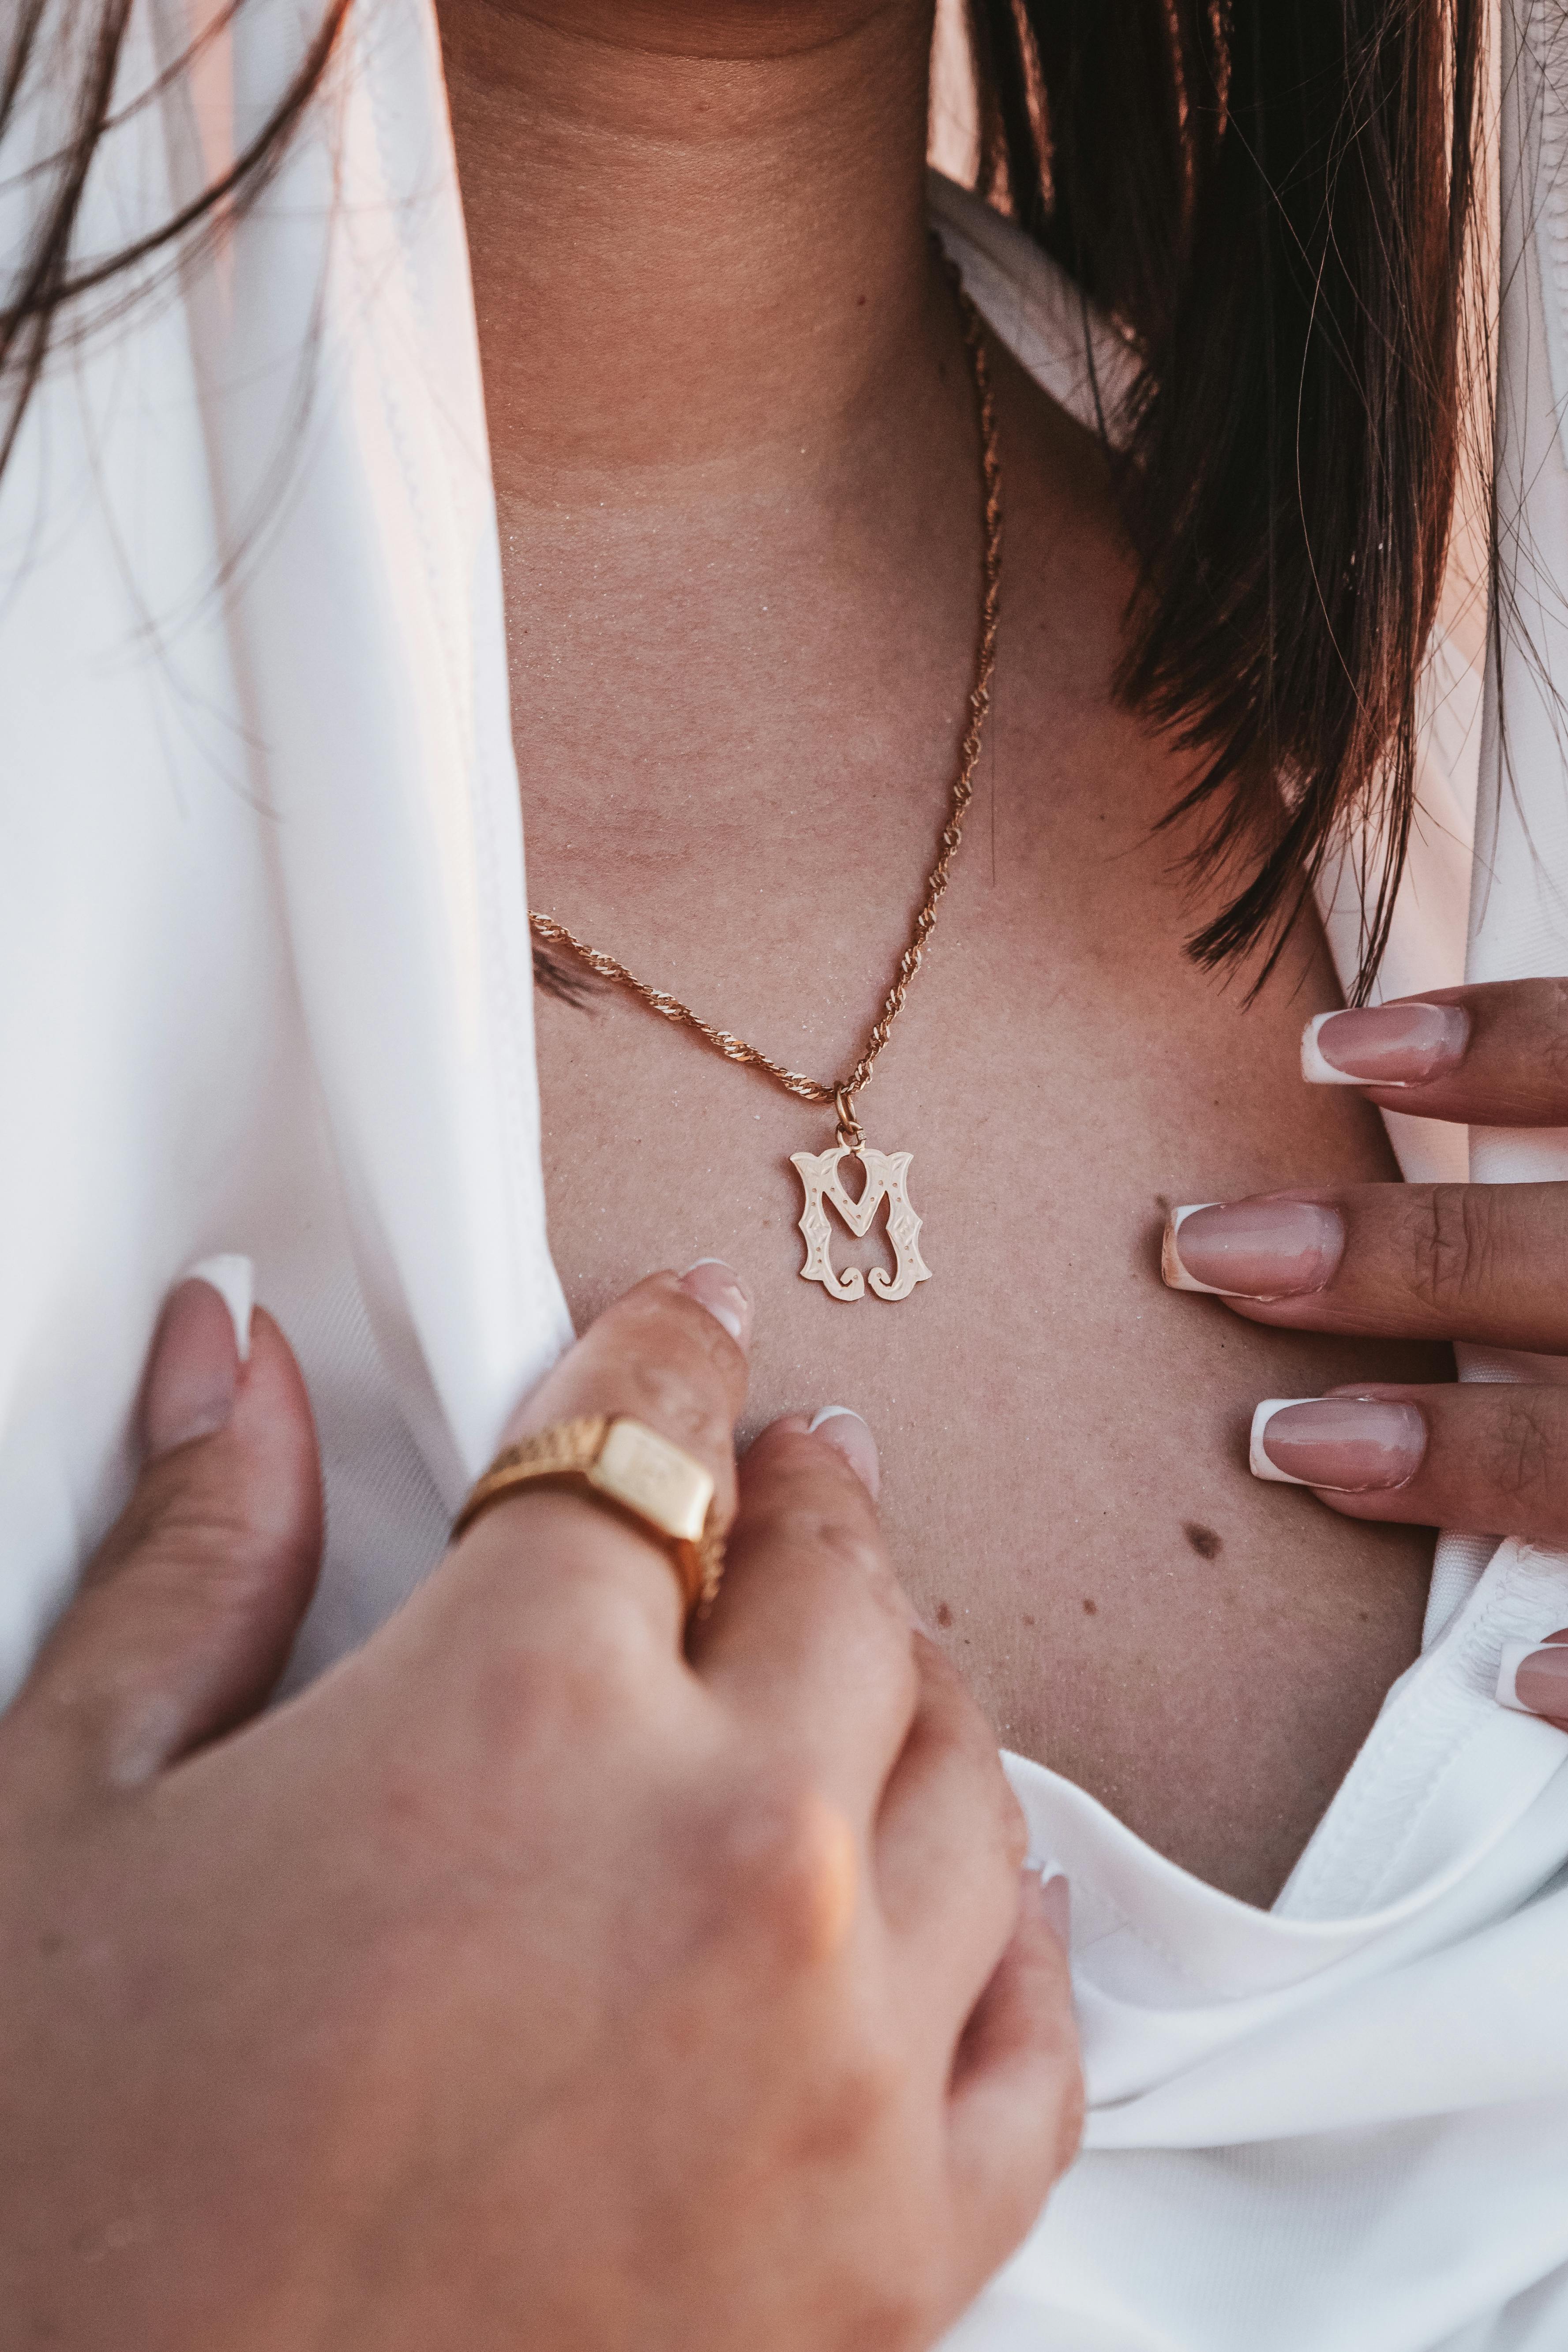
{"x": 1553, "y": 1038}
{"x": 672, "y": 1399}
{"x": 1522, "y": 1461}
{"x": 843, "y": 1542}
{"x": 787, "y": 1864}
{"x": 168, "y": 1514}
{"x": 1447, "y": 1247}
{"x": 193, "y": 1541}
{"x": 667, "y": 1322}
{"x": 832, "y": 1532}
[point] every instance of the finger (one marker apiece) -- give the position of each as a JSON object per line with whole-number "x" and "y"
{"x": 810, "y": 1640}
{"x": 188, "y": 1610}
{"x": 1495, "y": 1055}
{"x": 671, "y": 1354}
{"x": 951, "y": 1838}
{"x": 1408, "y": 1261}
{"x": 1488, "y": 1458}
{"x": 1532, "y": 1677}
{"x": 848, "y": 1434}
{"x": 1016, "y": 2108}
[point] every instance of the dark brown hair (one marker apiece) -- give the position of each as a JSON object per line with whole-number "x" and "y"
{"x": 1275, "y": 200}
{"x": 1272, "y": 200}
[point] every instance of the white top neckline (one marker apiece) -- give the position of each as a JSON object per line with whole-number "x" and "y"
{"x": 269, "y": 989}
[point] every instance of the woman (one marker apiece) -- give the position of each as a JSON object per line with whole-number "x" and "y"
{"x": 736, "y": 466}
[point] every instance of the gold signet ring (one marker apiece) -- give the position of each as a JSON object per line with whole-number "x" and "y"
{"x": 636, "y": 1472}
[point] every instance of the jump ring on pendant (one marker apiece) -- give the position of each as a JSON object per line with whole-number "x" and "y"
{"x": 849, "y": 1136}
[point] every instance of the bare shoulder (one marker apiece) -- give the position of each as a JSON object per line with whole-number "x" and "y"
{"x": 1064, "y": 520}
{"x": 1069, "y": 578}
{"x": 1084, "y": 793}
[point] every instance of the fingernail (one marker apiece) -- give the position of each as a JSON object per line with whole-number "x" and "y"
{"x": 234, "y": 1279}
{"x": 720, "y": 1289}
{"x": 202, "y": 1337}
{"x": 1352, "y": 1445}
{"x": 1048, "y": 1891}
{"x": 1267, "y": 1248}
{"x": 1533, "y": 1677}
{"x": 1384, "y": 1044}
{"x": 842, "y": 1428}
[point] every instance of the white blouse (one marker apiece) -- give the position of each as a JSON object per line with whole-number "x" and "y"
{"x": 267, "y": 988}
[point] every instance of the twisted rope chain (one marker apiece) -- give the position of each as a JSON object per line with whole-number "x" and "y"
{"x": 841, "y": 1092}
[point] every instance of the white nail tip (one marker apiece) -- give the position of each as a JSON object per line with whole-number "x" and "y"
{"x": 1257, "y": 1461}
{"x": 1173, "y": 1273}
{"x": 1514, "y": 1655}
{"x": 835, "y": 1412}
{"x": 1315, "y": 1069}
{"x": 234, "y": 1279}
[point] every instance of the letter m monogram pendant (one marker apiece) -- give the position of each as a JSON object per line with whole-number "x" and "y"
{"x": 887, "y": 1174}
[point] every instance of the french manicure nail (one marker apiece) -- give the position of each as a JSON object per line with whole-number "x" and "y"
{"x": 1384, "y": 1044}
{"x": 1349, "y": 1445}
{"x": 202, "y": 1337}
{"x": 1266, "y": 1248}
{"x": 1533, "y": 1677}
{"x": 234, "y": 1279}
{"x": 844, "y": 1429}
{"x": 720, "y": 1289}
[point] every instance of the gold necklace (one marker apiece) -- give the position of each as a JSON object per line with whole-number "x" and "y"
{"x": 885, "y": 1173}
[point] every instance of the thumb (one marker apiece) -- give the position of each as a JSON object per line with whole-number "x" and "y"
{"x": 187, "y": 1610}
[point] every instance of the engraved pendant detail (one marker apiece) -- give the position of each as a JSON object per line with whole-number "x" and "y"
{"x": 887, "y": 1174}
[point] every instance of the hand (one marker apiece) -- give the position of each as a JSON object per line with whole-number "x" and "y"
{"x": 1483, "y": 1263}
{"x": 526, "y": 1982}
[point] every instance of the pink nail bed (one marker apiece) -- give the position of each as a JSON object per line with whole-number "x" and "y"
{"x": 1347, "y": 1445}
{"x": 1264, "y": 1248}
{"x": 1384, "y": 1044}
{"x": 719, "y": 1287}
{"x": 1532, "y": 1677}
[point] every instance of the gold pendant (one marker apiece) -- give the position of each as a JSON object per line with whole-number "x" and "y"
{"x": 885, "y": 1174}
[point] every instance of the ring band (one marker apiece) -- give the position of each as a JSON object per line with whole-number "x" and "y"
{"x": 631, "y": 1467}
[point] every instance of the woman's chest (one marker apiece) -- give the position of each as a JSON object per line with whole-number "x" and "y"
{"x": 1063, "y": 1441}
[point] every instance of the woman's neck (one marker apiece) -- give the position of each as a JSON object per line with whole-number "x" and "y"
{"x": 697, "y": 233}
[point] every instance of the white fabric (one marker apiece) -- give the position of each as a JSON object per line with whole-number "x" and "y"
{"x": 265, "y": 988}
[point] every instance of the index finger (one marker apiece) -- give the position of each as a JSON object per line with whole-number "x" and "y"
{"x": 1495, "y": 1055}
